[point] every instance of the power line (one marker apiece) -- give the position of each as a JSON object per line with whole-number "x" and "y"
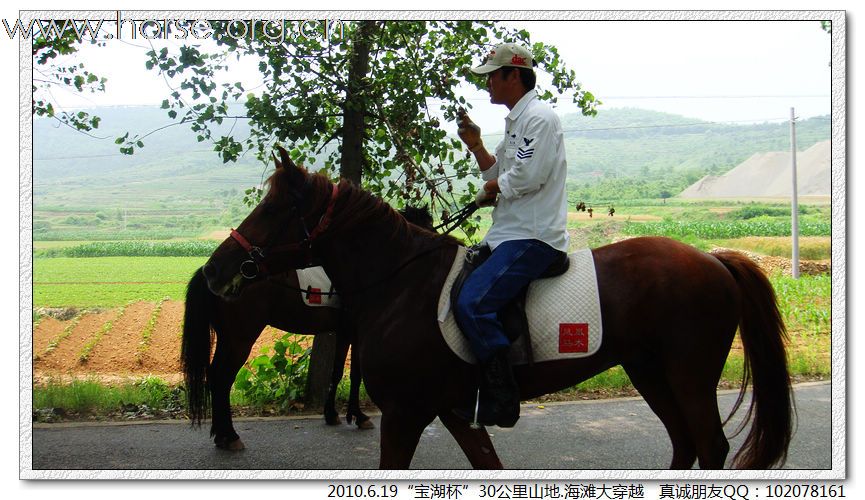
{"x": 601, "y": 129}
{"x": 114, "y": 155}
{"x": 637, "y": 97}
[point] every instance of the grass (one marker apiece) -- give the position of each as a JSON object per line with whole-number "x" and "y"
{"x": 91, "y": 397}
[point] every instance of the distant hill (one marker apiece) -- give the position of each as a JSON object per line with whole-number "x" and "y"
{"x": 628, "y": 141}
{"x": 770, "y": 175}
{"x": 173, "y": 169}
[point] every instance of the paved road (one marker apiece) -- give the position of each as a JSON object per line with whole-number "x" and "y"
{"x": 611, "y": 434}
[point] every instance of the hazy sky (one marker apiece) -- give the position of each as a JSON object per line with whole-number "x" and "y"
{"x": 731, "y": 71}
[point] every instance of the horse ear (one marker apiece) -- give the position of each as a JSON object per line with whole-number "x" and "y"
{"x": 286, "y": 160}
{"x": 296, "y": 174}
{"x": 276, "y": 161}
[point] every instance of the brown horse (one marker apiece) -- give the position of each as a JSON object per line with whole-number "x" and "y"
{"x": 238, "y": 324}
{"x": 275, "y": 301}
{"x": 669, "y": 314}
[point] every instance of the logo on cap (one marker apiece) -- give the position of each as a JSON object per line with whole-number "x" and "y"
{"x": 519, "y": 61}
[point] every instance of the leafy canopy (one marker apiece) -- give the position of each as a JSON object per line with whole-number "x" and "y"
{"x": 396, "y": 75}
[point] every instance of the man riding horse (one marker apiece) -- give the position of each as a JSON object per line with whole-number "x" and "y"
{"x": 528, "y": 233}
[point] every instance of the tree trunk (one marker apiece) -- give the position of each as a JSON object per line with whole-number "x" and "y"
{"x": 354, "y": 109}
{"x": 351, "y": 168}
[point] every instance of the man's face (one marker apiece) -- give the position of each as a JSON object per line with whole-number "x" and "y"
{"x": 496, "y": 87}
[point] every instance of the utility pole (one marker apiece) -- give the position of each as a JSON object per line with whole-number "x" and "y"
{"x": 795, "y": 198}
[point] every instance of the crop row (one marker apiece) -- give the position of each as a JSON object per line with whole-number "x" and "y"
{"x": 724, "y": 229}
{"x": 191, "y": 248}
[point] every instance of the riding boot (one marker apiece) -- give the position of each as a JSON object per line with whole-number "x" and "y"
{"x": 503, "y": 400}
{"x": 499, "y": 399}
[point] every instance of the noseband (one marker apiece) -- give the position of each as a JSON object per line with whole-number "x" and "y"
{"x": 256, "y": 264}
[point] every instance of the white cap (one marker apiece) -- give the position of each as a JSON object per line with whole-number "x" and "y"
{"x": 506, "y": 54}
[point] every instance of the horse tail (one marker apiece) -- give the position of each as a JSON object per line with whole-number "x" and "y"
{"x": 196, "y": 345}
{"x": 763, "y": 335}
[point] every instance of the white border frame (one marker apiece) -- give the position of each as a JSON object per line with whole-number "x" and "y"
{"x": 839, "y": 268}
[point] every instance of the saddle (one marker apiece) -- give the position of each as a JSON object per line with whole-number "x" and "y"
{"x": 513, "y": 316}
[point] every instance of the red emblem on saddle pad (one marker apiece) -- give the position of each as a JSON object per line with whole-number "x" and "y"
{"x": 573, "y": 337}
{"x": 314, "y": 295}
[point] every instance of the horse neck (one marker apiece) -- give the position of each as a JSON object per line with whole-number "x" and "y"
{"x": 364, "y": 254}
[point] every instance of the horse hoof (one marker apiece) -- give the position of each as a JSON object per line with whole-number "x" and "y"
{"x": 235, "y": 445}
{"x": 333, "y": 420}
{"x": 366, "y": 424}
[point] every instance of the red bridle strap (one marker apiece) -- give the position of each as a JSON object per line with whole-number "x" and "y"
{"x": 328, "y": 214}
{"x": 241, "y": 240}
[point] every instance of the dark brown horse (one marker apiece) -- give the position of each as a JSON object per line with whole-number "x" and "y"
{"x": 669, "y": 314}
{"x": 237, "y": 324}
{"x": 275, "y": 301}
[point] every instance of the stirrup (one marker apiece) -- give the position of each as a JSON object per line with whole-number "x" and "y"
{"x": 475, "y": 424}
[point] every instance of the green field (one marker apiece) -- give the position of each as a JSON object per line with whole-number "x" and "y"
{"x": 110, "y": 281}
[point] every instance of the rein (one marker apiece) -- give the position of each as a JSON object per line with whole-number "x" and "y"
{"x": 455, "y": 220}
{"x": 366, "y": 288}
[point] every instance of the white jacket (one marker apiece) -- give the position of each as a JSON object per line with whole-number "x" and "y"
{"x": 531, "y": 170}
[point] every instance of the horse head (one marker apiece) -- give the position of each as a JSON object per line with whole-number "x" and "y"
{"x": 278, "y": 225}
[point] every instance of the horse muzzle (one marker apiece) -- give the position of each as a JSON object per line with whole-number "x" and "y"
{"x": 225, "y": 287}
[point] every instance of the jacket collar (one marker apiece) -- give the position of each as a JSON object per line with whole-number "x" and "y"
{"x": 522, "y": 104}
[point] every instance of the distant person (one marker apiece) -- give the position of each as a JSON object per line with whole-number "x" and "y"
{"x": 528, "y": 234}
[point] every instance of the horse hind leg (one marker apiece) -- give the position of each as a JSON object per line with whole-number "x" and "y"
{"x": 475, "y": 443}
{"x": 699, "y": 403}
{"x": 655, "y": 389}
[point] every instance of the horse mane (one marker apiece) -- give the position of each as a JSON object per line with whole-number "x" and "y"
{"x": 353, "y": 207}
{"x": 356, "y": 207}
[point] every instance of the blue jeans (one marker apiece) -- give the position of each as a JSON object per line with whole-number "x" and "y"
{"x": 510, "y": 268}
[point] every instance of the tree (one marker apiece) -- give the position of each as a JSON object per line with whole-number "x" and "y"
{"x": 356, "y": 98}
{"x": 49, "y": 75}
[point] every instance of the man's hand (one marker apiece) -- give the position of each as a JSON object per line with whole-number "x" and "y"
{"x": 468, "y": 130}
{"x": 485, "y": 199}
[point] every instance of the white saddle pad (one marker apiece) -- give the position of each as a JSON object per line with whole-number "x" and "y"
{"x": 315, "y": 280}
{"x": 564, "y": 314}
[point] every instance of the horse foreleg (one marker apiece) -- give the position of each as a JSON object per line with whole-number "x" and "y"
{"x": 401, "y": 429}
{"x": 475, "y": 443}
{"x": 354, "y": 412}
{"x": 331, "y": 416}
{"x": 227, "y": 361}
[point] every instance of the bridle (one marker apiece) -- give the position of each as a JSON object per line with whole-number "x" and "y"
{"x": 257, "y": 262}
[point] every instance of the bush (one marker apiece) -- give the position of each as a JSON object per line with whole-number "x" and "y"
{"x": 279, "y": 379}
